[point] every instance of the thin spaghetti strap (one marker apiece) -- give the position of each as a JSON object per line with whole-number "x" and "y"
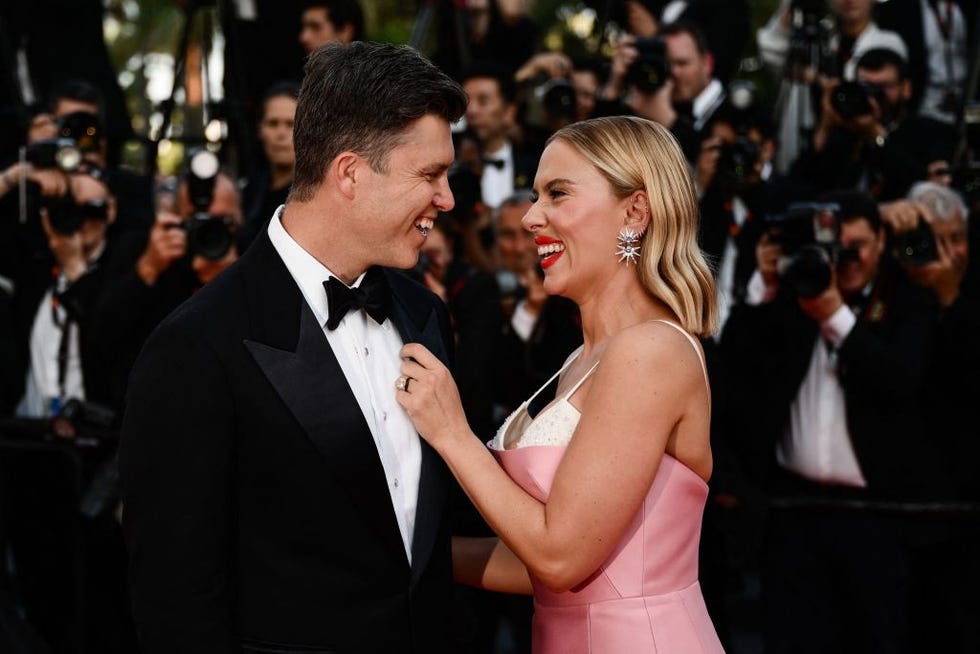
{"x": 581, "y": 381}
{"x": 694, "y": 344}
{"x": 571, "y": 357}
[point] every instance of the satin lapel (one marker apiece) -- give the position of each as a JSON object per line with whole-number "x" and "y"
{"x": 417, "y": 322}
{"x": 312, "y": 384}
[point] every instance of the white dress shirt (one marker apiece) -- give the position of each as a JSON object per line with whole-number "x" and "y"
{"x": 43, "y": 394}
{"x": 816, "y": 443}
{"x": 725, "y": 286}
{"x": 368, "y": 354}
{"x": 497, "y": 184}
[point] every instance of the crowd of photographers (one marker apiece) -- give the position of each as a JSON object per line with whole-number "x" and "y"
{"x": 837, "y": 212}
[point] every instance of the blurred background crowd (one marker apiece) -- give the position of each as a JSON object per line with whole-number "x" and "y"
{"x": 835, "y": 146}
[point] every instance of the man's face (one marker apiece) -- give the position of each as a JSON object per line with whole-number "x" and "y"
{"x": 767, "y": 148}
{"x": 487, "y": 113}
{"x": 853, "y": 11}
{"x": 894, "y": 91}
{"x": 276, "y": 131}
{"x": 317, "y": 29}
{"x": 514, "y": 243}
{"x": 857, "y": 234}
{"x": 392, "y": 208}
{"x": 690, "y": 70}
{"x": 954, "y": 232}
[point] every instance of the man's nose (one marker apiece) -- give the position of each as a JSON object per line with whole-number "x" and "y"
{"x": 443, "y": 199}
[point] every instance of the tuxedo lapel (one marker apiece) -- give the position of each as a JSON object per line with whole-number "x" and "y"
{"x": 312, "y": 385}
{"x": 416, "y": 320}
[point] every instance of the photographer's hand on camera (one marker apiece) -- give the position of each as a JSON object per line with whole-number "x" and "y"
{"x": 544, "y": 64}
{"x": 943, "y": 277}
{"x": 165, "y": 245}
{"x": 903, "y": 215}
{"x": 624, "y": 56}
{"x": 68, "y": 250}
{"x": 53, "y": 182}
{"x": 821, "y": 307}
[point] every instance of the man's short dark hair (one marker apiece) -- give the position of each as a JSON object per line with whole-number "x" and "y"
{"x": 855, "y": 205}
{"x": 686, "y": 27}
{"x": 78, "y": 90}
{"x": 360, "y": 98}
{"x": 341, "y": 13}
{"x": 878, "y": 59}
{"x": 490, "y": 70}
{"x": 284, "y": 89}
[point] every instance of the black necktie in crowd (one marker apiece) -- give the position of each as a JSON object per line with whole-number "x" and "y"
{"x": 373, "y": 296}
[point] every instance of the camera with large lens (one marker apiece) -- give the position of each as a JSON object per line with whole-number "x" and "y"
{"x": 736, "y": 161}
{"x": 67, "y": 216}
{"x": 208, "y": 235}
{"x": 57, "y": 153}
{"x": 558, "y": 98}
{"x": 651, "y": 69}
{"x": 809, "y": 43}
{"x": 83, "y": 127}
{"x": 853, "y": 99}
{"x": 808, "y": 234}
{"x": 916, "y": 247}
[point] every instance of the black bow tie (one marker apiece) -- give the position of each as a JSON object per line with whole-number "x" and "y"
{"x": 373, "y": 296}
{"x": 496, "y": 163}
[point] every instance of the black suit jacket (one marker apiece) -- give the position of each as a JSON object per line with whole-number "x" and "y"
{"x": 257, "y": 513}
{"x": 882, "y": 365}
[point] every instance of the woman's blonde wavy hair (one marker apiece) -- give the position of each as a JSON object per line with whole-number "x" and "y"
{"x": 637, "y": 154}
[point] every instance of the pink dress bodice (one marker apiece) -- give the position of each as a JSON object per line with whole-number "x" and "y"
{"x": 645, "y": 597}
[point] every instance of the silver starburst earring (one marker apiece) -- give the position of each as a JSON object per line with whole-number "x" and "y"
{"x": 628, "y": 250}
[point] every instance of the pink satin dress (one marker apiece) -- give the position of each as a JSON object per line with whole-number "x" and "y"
{"x": 645, "y": 597}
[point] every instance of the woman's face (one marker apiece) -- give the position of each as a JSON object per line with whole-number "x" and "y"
{"x": 575, "y": 221}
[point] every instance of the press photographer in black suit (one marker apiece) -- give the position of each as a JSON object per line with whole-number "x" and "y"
{"x": 276, "y": 497}
{"x": 829, "y": 359}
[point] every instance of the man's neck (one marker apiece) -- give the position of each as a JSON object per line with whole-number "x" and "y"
{"x": 854, "y": 29}
{"x": 494, "y": 145}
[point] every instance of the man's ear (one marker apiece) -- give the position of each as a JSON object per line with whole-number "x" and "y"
{"x": 346, "y": 33}
{"x": 344, "y": 172}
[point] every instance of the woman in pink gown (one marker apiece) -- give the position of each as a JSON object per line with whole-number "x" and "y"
{"x": 597, "y": 498}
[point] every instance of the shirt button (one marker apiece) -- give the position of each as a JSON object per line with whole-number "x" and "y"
{"x": 366, "y": 352}
{"x": 396, "y": 483}
{"x": 384, "y": 415}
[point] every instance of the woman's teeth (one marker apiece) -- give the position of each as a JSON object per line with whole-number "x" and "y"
{"x": 551, "y": 248}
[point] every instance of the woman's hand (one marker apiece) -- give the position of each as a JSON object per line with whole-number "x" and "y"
{"x": 430, "y": 397}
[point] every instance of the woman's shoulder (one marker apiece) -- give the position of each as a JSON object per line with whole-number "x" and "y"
{"x": 655, "y": 346}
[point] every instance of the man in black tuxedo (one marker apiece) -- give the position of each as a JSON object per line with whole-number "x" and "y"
{"x": 276, "y": 497}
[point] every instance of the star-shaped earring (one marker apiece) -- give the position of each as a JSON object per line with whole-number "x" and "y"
{"x": 628, "y": 249}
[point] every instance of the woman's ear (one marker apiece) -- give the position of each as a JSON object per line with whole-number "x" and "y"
{"x": 638, "y": 211}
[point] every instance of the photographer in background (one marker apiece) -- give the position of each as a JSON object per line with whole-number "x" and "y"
{"x": 186, "y": 248}
{"x": 802, "y": 47}
{"x": 330, "y": 21}
{"x": 268, "y": 187}
{"x": 829, "y": 357}
{"x": 868, "y": 138}
{"x": 933, "y": 247}
{"x": 732, "y": 175}
{"x": 669, "y": 80}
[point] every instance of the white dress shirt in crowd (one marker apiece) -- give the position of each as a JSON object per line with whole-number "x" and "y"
{"x": 707, "y": 101}
{"x": 368, "y": 353}
{"x": 497, "y": 184}
{"x": 726, "y": 271}
{"x": 946, "y": 56}
{"x": 42, "y": 387}
{"x": 816, "y": 443}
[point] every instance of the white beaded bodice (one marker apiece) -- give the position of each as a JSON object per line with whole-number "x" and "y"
{"x": 554, "y": 425}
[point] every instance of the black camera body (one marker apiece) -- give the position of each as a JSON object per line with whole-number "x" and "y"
{"x": 58, "y": 153}
{"x": 558, "y": 98}
{"x": 916, "y": 247}
{"x": 808, "y": 234}
{"x": 208, "y": 235}
{"x": 651, "y": 69}
{"x": 853, "y": 99}
{"x": 737, "y": 161}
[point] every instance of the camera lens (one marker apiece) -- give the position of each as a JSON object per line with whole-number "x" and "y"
{"x": 209, "y": 236}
